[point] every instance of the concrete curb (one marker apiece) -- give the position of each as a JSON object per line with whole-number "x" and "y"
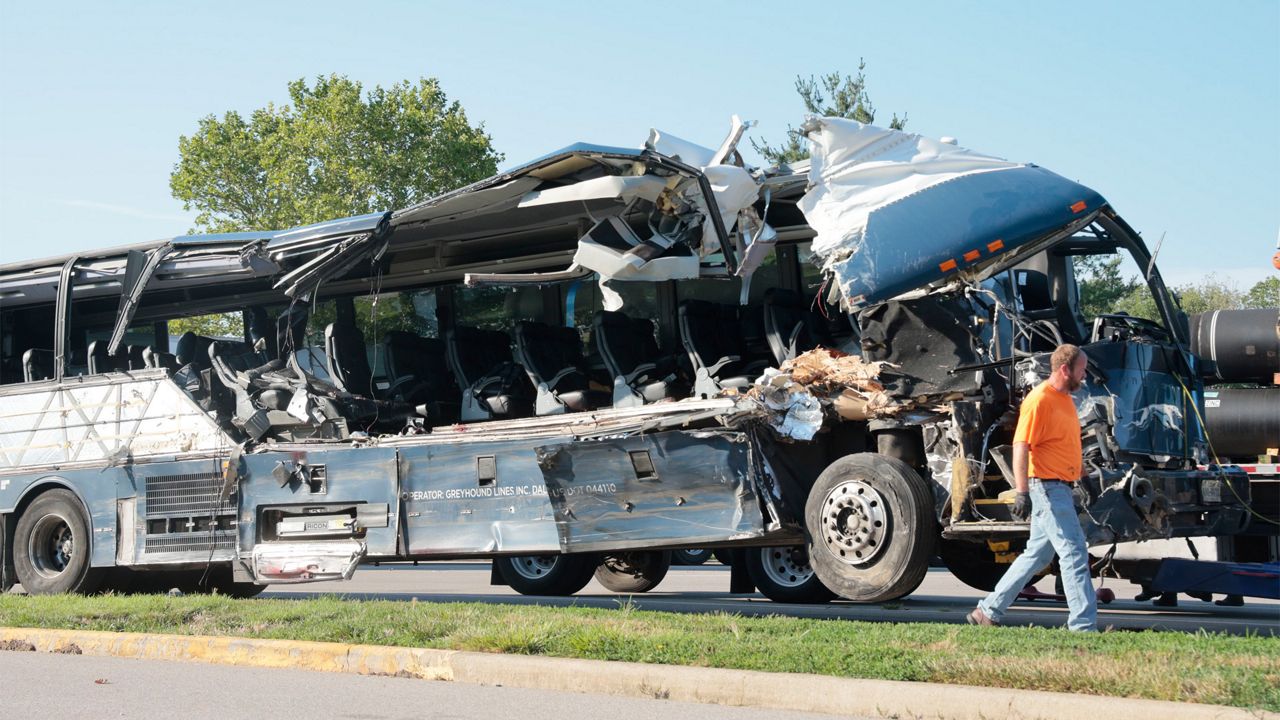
{"x": 777, "y": 691}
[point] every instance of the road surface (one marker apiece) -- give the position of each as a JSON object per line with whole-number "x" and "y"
{"x": 941, "y": 598}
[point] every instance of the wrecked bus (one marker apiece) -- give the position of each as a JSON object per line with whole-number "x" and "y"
{"x": 579, "y": 364}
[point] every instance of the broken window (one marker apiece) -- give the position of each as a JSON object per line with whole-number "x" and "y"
{"x": 498, "y": 308}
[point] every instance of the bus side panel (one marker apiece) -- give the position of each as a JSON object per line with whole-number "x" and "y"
{"x": 476, "y": 498}
{"x": 315, "y": 480}
{"x": 176, "y": 513}
{"x": 96, "y": 489}
{"x": 679, "y": 488}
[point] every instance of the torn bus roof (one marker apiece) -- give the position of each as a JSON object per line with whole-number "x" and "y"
{"x": 895, "y": 211}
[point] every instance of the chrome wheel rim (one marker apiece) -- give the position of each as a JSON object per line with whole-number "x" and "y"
{"x": 52, "y": 546}
{"x": 534, "y": 567}
{"x": 786, "y": 566}
{"x": 855, "y": 523}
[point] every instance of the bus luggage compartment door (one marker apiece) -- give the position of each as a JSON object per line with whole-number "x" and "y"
{"x": 537, "y": 496}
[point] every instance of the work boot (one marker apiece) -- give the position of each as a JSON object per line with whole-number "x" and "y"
{"x": 977, "y": 617}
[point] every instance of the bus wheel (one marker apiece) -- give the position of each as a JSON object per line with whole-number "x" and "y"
{"x": 690, "y": 556}
{"x": 633, "y": 572}
{"x": 871, "y": 527}
{"x": 547, "y": 574}
{"x": 974, "y": 563}
{"x": 51, "y": 547}
{"x": 783, "y": 574}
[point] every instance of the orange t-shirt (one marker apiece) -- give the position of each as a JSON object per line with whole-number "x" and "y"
{"x": 1048, "y": 424}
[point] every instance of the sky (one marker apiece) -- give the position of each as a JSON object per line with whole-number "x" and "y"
{"x": 1171, "y": 110}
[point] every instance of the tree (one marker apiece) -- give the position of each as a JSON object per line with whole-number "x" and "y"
{"x": 223, "y": 325}
{"x": 1103, "y": 288}
{"x": 1264, "y": 294}
{"x": 335, "y": 151}
{"x": 1211, "y": 293}
{"x": 848, "y": 99}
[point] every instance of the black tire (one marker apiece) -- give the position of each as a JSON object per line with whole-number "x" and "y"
{"x": 783, "y": 574}
{"x": 547, "y": 574}
{"x": 52, "y": 547}
{"x": 974, "y": 563}
{"x": 691, "y": 556}
{"x": 871, "y": 528}
{"x": 633, "y": 572}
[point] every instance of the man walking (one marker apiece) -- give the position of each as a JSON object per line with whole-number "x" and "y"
{"x": 1046, "y": 464}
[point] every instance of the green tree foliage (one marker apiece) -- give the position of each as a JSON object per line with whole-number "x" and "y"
{"x": 1264, "y": 294}
{"x": 831, "y": 95}
{"x": 335, "y": 151}
{"x": 1102, "y": 287}
{"x": 1101, "y": 294}
{"x": 226, "y": 325}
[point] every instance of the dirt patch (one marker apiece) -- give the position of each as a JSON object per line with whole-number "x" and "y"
{"x": 69, "y": 649}
{"x": 17, "y": 646}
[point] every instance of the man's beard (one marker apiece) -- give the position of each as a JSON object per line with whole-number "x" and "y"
{"x": 1074, "y": 384}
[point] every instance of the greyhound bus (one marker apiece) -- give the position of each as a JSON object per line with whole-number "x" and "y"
{"x": 581, "y": 364}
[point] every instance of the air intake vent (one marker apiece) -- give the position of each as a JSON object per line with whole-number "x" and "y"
{"x": 187, "y": 542}
{"x": 184, "y": 494}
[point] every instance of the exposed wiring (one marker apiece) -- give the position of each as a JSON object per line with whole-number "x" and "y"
{"x": 1216, "y": 461}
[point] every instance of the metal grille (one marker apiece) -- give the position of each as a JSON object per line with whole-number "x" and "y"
{"x": 186, "y": 542}
{"x": 186, "y": 494}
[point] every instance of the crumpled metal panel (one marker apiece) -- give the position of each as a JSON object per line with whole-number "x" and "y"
{"x": 895, "y": 211}
{"x": 447, "y": 511}
{"x": 701, "y": 490}
{"x": 549, "y": 495}
{"x": 1139, "y": 384}
{"x": 100, "y": 420}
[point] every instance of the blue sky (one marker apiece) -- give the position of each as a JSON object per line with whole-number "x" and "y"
{"x": 1170, "y": 109}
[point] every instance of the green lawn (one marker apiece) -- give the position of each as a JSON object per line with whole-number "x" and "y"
{"x": 1219, "y": 669}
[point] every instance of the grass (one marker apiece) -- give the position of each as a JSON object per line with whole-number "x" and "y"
{"x": 1205, "y": 668}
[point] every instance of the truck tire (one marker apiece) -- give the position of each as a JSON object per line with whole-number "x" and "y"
{"x": 871, "y": 527}
{"x": 51, "y": 546}
{"x": 633, "y": 572}
{"x": 547, "y": 574}
{"x": 690, "y": 556}
{"x": 973, "y": 563}
{"x": 783, "y": 574}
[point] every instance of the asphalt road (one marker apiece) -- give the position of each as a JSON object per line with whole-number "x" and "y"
{"x": 941, "y": 598}
{"x": 46, "y": 685}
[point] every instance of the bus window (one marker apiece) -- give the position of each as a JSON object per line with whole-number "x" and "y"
{"x": 409, "y": 311}
{"x": 497, "y": 308}
{"x": 639, "y": 300}
{"x": 26, "y": 329}
{"x": 811, "y": 277}
{"x": 222, "y": 326}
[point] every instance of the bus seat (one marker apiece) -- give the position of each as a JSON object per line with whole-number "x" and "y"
{"x": 493, "y": 385}
{"x": 37, "y": 364}
{"x": 151, "y": 358}
{"x": 100, "y": 362}
{"x": 553, "y": 358}
{"x": 420, "y": 373}
{"x": 641, "y": 373}
{"x": 789, "y": 327}
{"x": 712, "y": 335}
{"x": 348, "y": 358}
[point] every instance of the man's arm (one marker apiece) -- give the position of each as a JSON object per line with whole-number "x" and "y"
{"x": 1021, "y": 509}
{"x": 1020, "y": 455}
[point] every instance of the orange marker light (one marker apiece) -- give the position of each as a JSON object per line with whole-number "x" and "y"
{"x": 995, "y": 245}
{"x": 1078, "y": 207}
{"x": 947, "y": 266}
{"x": 972, "y": 255}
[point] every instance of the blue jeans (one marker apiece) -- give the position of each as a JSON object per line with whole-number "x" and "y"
{"x": 1054, "y": 527}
